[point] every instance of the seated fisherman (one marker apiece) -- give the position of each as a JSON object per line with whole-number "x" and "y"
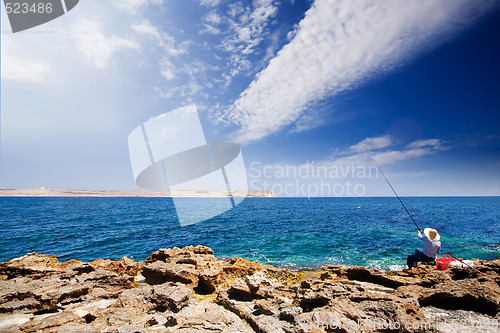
{"x": 432, "y": 246}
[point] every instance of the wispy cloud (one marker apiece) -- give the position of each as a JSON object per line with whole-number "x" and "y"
{"x": 18, "y": 69}
{"x": 249, "y": 26}
{"x": 370, "y": 144}
{"x": 132, "y": 6}
{"x": 376, "y": 149}
{"x": 167, "y": 69}
{"x": 337, "y": 46}
{"x": 209, "y": 3}
{"x": 210, "y": 22}
{"x": 171, "y": 67}
{"x": 242, "y": 29}
{"x": 161, "y": 38}
{"x": 97, "y": 47}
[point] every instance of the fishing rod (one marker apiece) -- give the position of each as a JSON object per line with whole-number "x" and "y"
{"x": 464, "y": 263}
{"x": 397, "y": 196}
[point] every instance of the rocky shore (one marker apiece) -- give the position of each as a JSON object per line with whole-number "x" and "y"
{"x": 190, "y": 290}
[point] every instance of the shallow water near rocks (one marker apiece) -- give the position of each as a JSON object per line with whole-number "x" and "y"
{"x": 285, "y": 232}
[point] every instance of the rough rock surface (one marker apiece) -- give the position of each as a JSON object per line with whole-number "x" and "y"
{"x": 190, "y": 290}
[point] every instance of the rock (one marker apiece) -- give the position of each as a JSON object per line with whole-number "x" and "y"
{"x": 470, "y": 294}
{"x": 55, "y": 320}
{"x": 80, "y": 267}
{"x": 141, "y": 299}
{"x": 160, "y": 255}
{"x": 266, "y": 307}
{"x": 159, "y": 272}
{"x": 160, "y": 319}
{"x": 31, "y": 265}
{"x": 124, "y": 266}
{"x": 328, "y": 321}
{"x": 240, "y": 290}
{"x": 460, "y": 321}
{"x": 435, "y": 277}
{"x": 62, "y": 294}
{"x": 11, "y": 322}
{"x": 255, "y": 280}
{"x": 209, "y": 279}
{"x": 194, "y": 266}
{"x": 208, "y": 317}
{"x": 75, "y": 328}
{"x": 493, "y": 266}
{"x": 130, "y": 329}
{"x": 360, "y": 273}
{"x": 27, "y": 305}
{"x": 172, "y": 297}
{"x": 101, "y": 277}
{"x": 289, "y": 314}
{"x": 189, "y": 251}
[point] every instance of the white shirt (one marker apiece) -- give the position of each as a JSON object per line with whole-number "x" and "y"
{"x": 431, "y": 248}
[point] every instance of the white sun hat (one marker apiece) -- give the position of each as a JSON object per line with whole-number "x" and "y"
{"x": 432, "y": 234}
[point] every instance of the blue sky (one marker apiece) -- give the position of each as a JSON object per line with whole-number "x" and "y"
{"x": 300, "y": 85}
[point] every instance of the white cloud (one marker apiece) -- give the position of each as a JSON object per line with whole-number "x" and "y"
{"x": 370, "y": 144}
{"x": 17, "y": 68}
{"x": 23, "y": 71}
{"x": 238, "y": 30}
{"x": 247, "y": 28}
{"x": 209, "y": 3}
{"x": 212, "y": 17}
{"x": 187, "y": 90}
{"x": 95, "y": 46}
{"x": 146, "y": 29}
{"x": 235, "y": 9}
{"x": 208, "y": 29}
{"x": 375, "y": 149}
{"x": 167, "y": 69}
{"x": 337, "y": 46}
{"x": 132, "y": 6}
{"x": 162, "y": 39}
{"x": 168, "y": 49}
{"x": 425, "y": 143}
{"x": 210, "y": 20}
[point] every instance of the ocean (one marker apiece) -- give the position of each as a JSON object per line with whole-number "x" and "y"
{"x": 285, "y": 232}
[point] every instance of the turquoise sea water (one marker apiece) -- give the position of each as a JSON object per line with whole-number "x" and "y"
{"x": 285, "y": 232}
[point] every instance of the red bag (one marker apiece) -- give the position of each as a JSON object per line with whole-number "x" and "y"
{"x": 442, "y": 264}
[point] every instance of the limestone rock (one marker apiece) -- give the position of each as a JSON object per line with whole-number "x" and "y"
{"x": 190, "y": 290}
{"x": 123, "y": 266}
{"x": 172, "y": 297}
{"x": 31, "y": 265}
{"x": 54, "y": 320}
{"x": 208, "y": 317}
{"x": 470, "y": 294}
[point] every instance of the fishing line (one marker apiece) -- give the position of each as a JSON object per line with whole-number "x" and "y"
{"x": 397, "y": 196}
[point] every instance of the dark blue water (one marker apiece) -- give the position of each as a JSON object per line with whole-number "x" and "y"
{"x": 285, "y": 232}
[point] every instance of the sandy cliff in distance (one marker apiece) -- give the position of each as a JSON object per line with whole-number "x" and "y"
{"x": 42, "y": 192}
{"x": 190, "y": 290}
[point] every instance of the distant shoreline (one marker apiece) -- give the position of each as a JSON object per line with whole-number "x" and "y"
{"x": 42, "y": 192}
